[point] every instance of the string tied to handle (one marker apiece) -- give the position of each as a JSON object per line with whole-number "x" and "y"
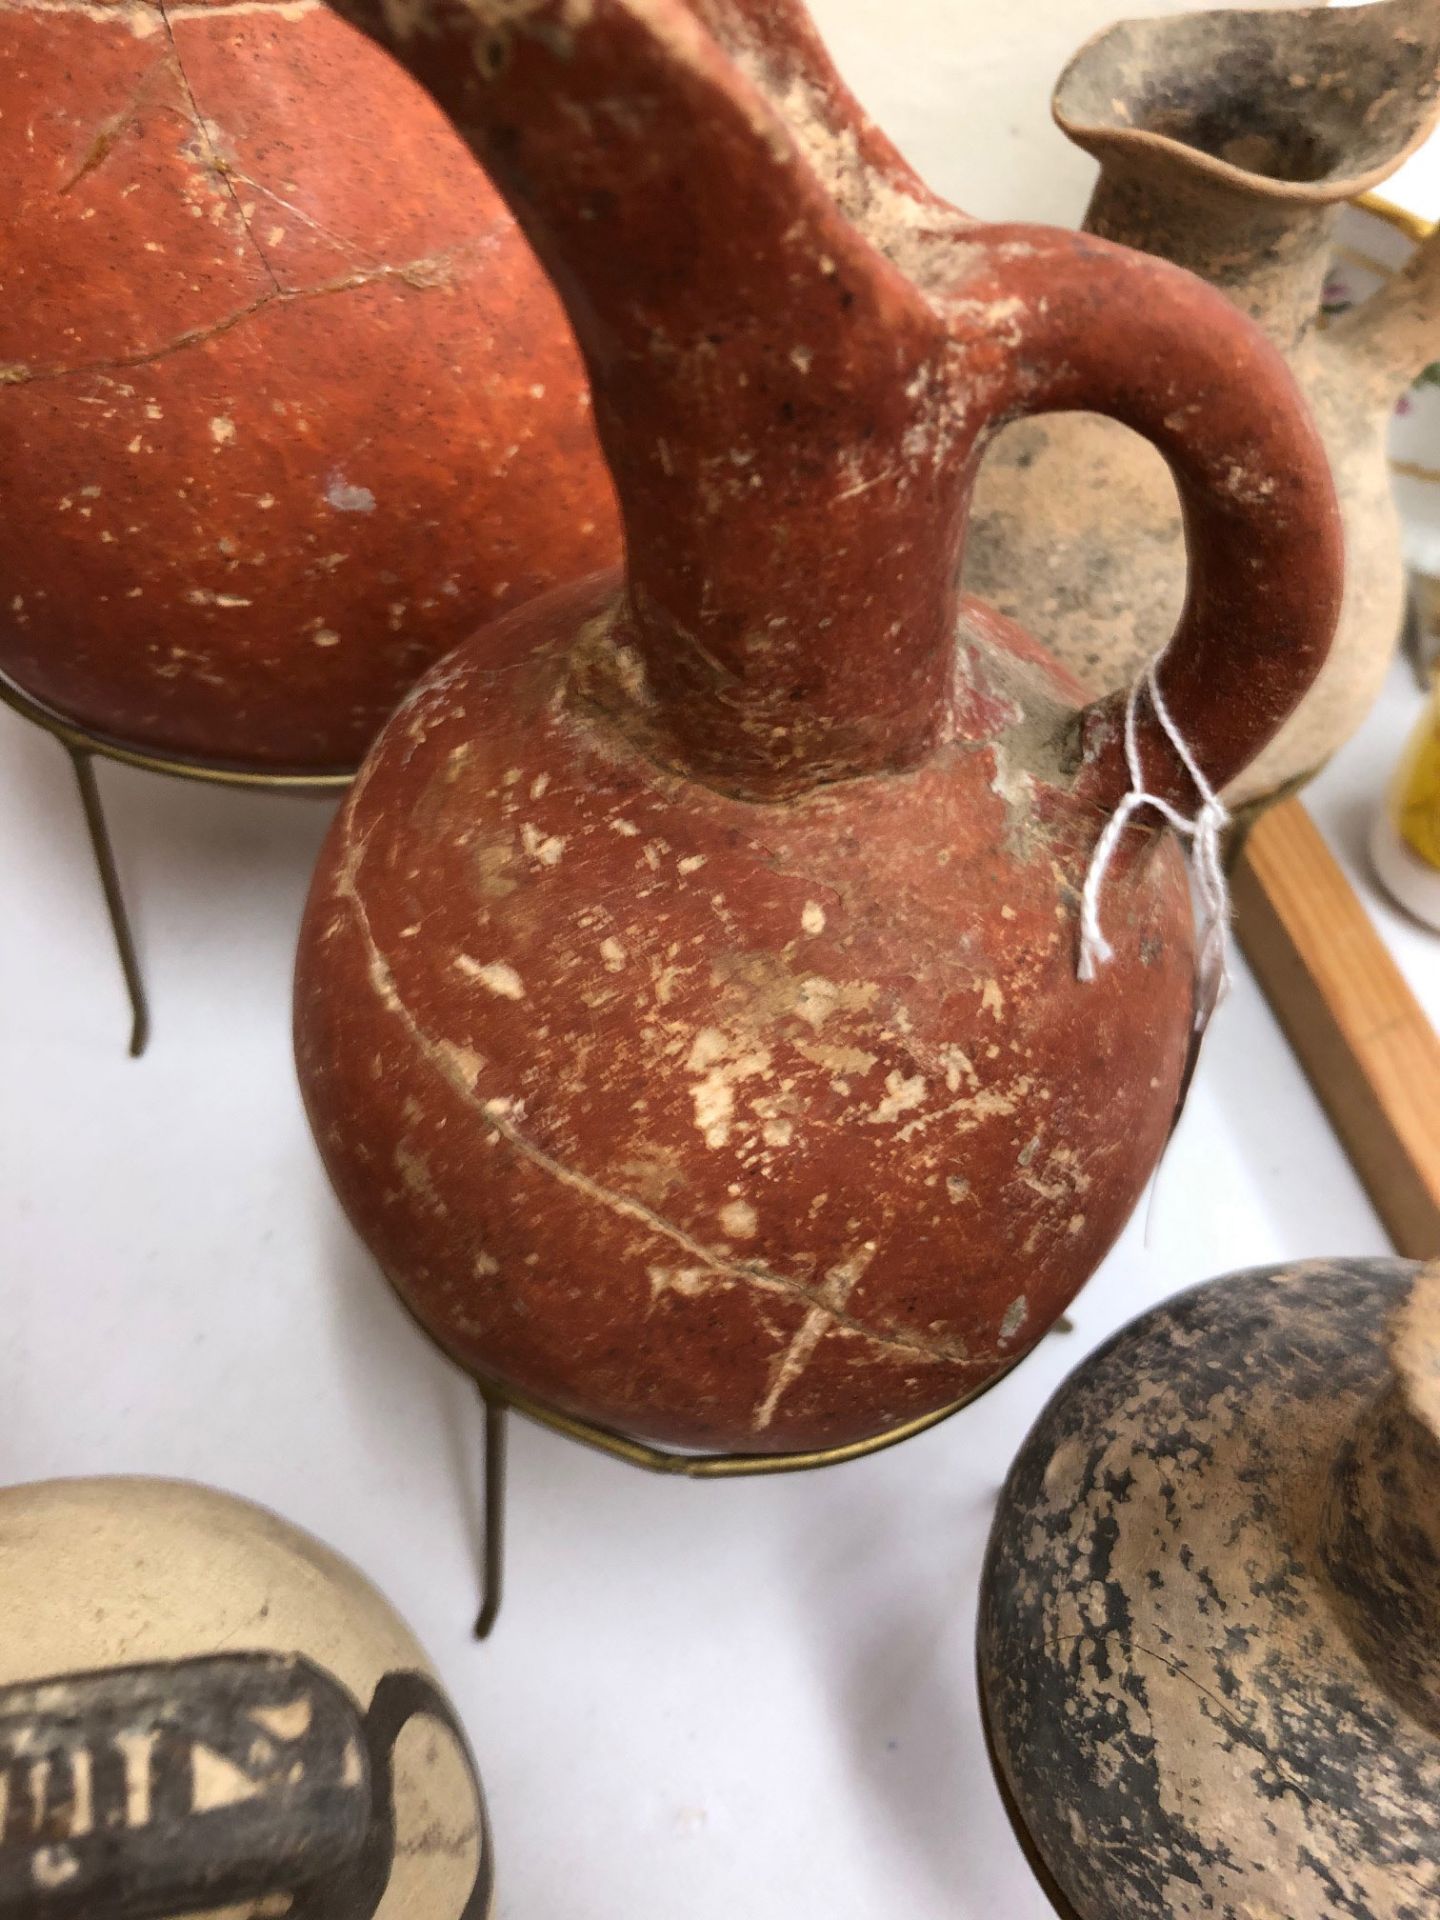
{"x": 1203, "y": 834}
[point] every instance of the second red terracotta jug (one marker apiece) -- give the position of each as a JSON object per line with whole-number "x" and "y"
{"x": 687, "y": 1000}
{"x": 287, "y": 407}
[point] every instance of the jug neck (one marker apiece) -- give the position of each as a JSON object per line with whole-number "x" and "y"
{"x": 779, "y": 403}
{"x": 795, "y": 353}
{"x": 1228, "y": 140}
{"x": 1268, "y": 255}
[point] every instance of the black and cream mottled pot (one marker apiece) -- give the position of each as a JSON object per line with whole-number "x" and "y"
{"x": 203, "y": 1712}
{"x": 1210, "y": 1624}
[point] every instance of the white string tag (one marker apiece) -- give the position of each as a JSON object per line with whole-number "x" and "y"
{"x": 1205, "y": 837}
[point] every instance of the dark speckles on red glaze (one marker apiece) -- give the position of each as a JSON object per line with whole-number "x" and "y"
{"x": 286, "y": 406}
{"x": 687, "y": 1009}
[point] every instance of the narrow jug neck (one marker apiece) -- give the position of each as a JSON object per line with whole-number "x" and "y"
{"x": 1268, "y": 255}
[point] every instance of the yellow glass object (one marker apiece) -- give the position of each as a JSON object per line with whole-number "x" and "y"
{"x": 1415, "y": 795}
{"x": 1405, "y": 836}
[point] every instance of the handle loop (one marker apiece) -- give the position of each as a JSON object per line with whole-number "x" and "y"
{"x": 1095, "y": 327}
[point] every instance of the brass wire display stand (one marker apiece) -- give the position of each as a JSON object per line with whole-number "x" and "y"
{"x": 83, "y": 748}
{"x": 501, "y": 1401}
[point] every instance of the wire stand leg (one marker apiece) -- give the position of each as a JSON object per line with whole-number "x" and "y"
{"x": 83, "y": 763}
{"x": 494, "y": 1579}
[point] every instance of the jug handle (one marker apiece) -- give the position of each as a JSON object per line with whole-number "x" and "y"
{"x": 1082, "y": 324}
{"x": 1391, "y": 337}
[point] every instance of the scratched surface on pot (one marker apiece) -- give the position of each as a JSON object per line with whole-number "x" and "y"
{"x": 287, "y": 407}
{"x": 687, "y": 1009}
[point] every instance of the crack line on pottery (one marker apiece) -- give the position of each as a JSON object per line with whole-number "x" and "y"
{"x": 1246, "y": 1735}
{"x": 433, "y": 1053}
{"x": 120, "y": 12}
{"x": 1243, "y": 1734}
{"x": 415, "y": 273}
{"x": 108, "y": 138}
{"x": 287, "y": 9}
{"x": 217, "y": 165}
{"x": 299, "y": 213}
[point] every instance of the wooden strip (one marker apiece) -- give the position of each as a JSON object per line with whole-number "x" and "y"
{"x": 1358, "y": 1031}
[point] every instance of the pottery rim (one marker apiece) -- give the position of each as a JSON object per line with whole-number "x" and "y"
{"x": 1103, "y": 136}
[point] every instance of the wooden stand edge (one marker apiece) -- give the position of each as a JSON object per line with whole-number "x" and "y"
{"x": 1358, "y": 1031}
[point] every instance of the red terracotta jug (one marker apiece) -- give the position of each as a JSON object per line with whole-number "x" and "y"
{"x": 286, "y": 406}
{"x": 687, "y": 998}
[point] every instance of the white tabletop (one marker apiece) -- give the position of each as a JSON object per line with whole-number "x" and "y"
{"x": 703, "y": 1701}
{"x": 746, "y": 1699}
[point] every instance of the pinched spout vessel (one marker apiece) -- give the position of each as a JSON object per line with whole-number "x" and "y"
{"x": 1228, "y": 143}
{"x": 687, "y": 1004}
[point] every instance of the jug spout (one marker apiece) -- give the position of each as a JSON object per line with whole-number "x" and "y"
{"x": 765, "y": 370}
{"x": 775, "y": 43}
{"x": 1314, "y": 104}
{"x": 1227, "y": 139}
